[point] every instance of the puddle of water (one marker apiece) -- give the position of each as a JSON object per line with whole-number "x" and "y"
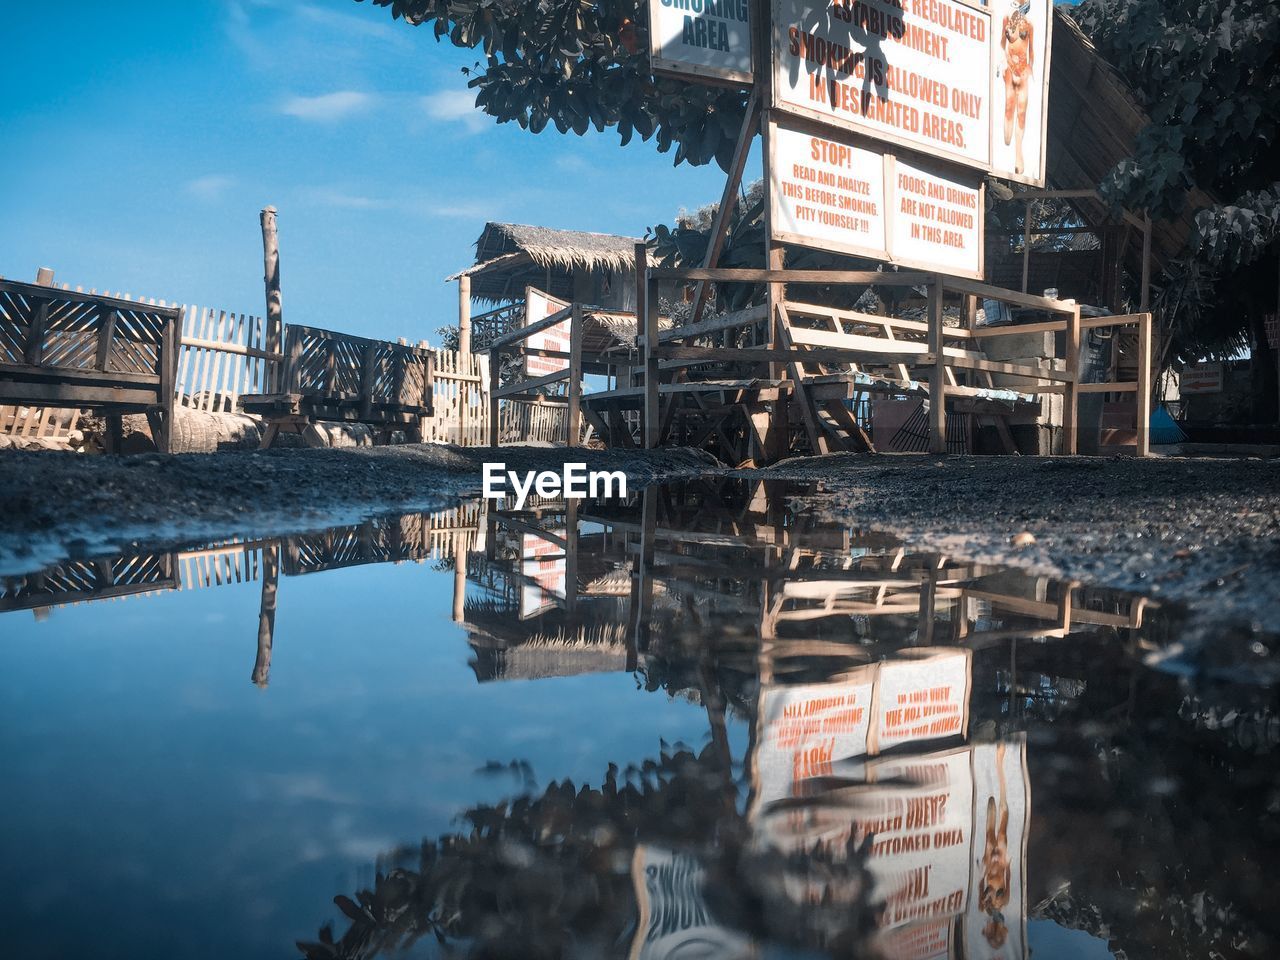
{"x": 700, "y": 722}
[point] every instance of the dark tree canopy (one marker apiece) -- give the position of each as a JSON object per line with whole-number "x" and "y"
{"x": 1208, "y": 74}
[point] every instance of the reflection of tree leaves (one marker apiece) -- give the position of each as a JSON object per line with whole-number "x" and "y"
{"x": 549, "y": 875}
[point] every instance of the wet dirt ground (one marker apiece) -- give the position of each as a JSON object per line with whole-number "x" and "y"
{"x": 1206, "y": 532}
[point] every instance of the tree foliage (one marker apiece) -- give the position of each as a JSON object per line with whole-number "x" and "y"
{"x": 577, "y": 65}
{"x": 1208, "y": 74}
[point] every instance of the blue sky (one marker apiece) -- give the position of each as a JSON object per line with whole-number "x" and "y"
{"x": 142, "y": 139}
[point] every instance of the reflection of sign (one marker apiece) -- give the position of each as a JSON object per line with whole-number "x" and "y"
{"x": 808, "y": 727}
{"x": 1200, "y": 378}
{"x": 947, "y": 851}
{"x": 995, "y": 923}
{"x": 834, "y": 195}
{"x": 925, "y": 699}
{"x": 539, "y": 306}
{"x": 922, "y": 831}
{"x": 937, "y": 76}
{"x": 674, "y": 920}
{"x": 913, "y": 72}
{"x": 703, "y": 38}
{"x": 543, "y": 565}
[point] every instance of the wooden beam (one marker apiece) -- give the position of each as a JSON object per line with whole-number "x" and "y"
{"x": 513, "y": 337}
{"x": 808, "y": 411}
{"x": 1049, "y": 326}
{"x": 729, "y": 321}
{"x": 778, "y": 275}
{"x": 34, "y": 346}
{"x": 1012, "y": 369}
{"x": 106, "y": 331}
{"x": 1129, "y": 386}
{"x": 527, "y": 386}
{"x": 728, "y": 198}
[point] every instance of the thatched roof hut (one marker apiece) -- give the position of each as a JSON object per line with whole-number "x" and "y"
{"x": 571, "y": 264}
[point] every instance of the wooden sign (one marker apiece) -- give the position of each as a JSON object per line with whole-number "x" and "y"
{"x": 834, "y": 192}
{"x": 701, "y": 39}
{"x": 539, "y": 306}
{"x": 1200, "y": 378}
{"x": 925, "y": 75}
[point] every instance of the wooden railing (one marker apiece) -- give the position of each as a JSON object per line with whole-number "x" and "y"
{"x": 487, "y": 327}
{"x": 61, "y": 348}
{"x": 949, "y": 358}
{"x": 336, "y": 376}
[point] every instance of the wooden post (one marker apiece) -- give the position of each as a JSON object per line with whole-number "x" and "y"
{"x": 44, "y": 276}
{"x": 495, "y": 368}
{"x": 460, "y": 580}
{"x": 575, "y": 376}
{"x": 464, "y": 355}
{"x": 1026, "y": 247}
{"x": 267, "y": 613}
{"x": 647, "y": 322}
{"x": 1144, "y": 386}
{"x": 938, "y": 379}
{"x": 570, "y": 556}
{"x": 1071, "y": 392}
{"x": 464, "y": 315}
{"x": 271, "y": 280}
{"x": 35, "y": 333}
{"x": 1144, "y": 299}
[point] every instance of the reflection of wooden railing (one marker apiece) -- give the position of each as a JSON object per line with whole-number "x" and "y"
{"x": 77, "y": 581}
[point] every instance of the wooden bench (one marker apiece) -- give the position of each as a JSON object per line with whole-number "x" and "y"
{"x": 60, "y": 348}
{"x": 339, "y": 377}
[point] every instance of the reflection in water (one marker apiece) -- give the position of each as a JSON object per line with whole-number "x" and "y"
{"x": 938, "y": 754}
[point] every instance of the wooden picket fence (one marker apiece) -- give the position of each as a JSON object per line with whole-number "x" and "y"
{"x": 461, "y": 400}
{"x": 49, "y": 423}
{"x": 528, "y": 421}
{"x": 224, "y": 355}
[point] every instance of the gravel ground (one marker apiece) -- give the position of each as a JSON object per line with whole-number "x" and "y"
{"x": 1206, "y": 532}
{"x": 57, "y": 504}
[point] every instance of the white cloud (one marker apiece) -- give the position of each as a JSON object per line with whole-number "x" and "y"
{"x": 333, "y": 197}
{"x": 211, "y": 186}
{"x": 455, "y": 106}
{"x": 476, "y": 210}
{"x": 571, "y": 163}
{"x": 327, "y": 107}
